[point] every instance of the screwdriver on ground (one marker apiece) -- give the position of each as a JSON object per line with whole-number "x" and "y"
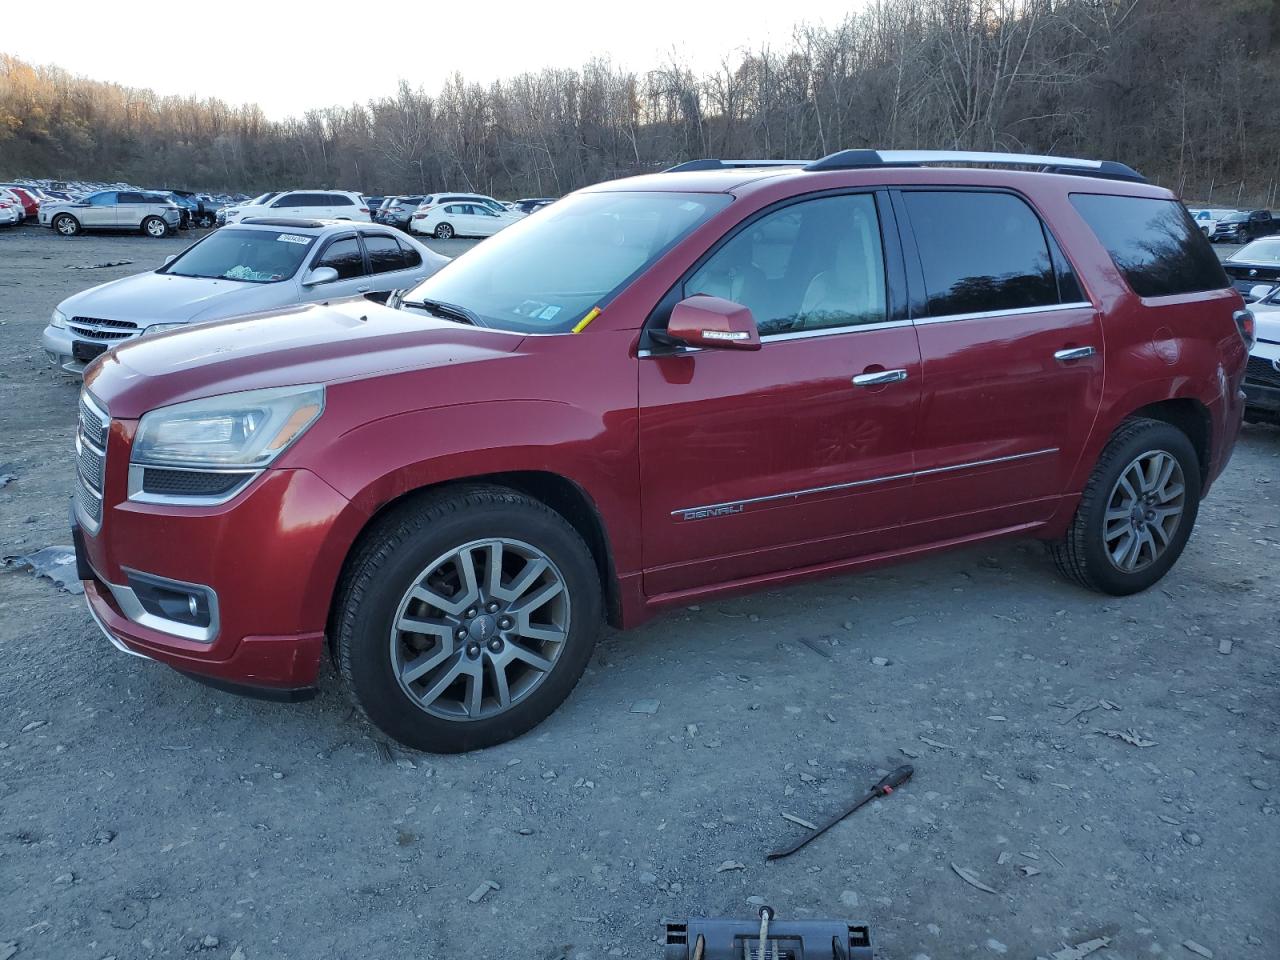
{"x": 883, "y": 788}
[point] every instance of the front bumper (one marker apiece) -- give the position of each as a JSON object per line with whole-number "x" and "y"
{"x": 1261, "y": 399}
{"x": 271, "y": 556}
{"x": 56, "y": 343}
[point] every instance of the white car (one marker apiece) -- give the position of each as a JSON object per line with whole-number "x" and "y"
{"x": 308, "y": 204}
{"x": 11, "y": 212}
{"x": 244, "y": 268}
{"x": 1206, "y": 220}
{"x": 461, "y": 220}
{"x": 439, "y": 199}
{"x": 1262, "y": 376}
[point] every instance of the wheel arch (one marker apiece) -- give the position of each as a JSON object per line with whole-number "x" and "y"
{"x": 1191, "y": 417}
{"x": 566, "y": 497}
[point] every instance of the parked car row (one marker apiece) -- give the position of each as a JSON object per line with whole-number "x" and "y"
{"x": 1234, "y": 226}
{"x": 73, "y": 214}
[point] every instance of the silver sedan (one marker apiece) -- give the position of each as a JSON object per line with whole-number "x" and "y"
{"x": 249, "y": 267}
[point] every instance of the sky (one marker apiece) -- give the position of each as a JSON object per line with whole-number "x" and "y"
{"x": 291, "y": 57}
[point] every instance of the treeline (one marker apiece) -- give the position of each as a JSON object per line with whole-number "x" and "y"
{"x": 1184, "y": 90}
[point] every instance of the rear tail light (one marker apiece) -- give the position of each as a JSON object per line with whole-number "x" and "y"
{"x": 364, "y": 209}
{"x": 1246, "y": 325}
{"x": 419, "y": 216}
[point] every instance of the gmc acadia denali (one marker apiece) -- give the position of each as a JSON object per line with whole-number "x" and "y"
{"x": 730, "y": 375}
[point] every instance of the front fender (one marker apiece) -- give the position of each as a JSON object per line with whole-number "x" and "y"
{"x": 375, "y": 463}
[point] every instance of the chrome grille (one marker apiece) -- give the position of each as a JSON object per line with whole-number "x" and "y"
{"x": 94, "y": 328}
{"x": 91, "y": 460}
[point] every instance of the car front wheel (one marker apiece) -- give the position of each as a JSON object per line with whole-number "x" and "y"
{"x": 466, "y": 617}
{"x": 1137, "y": 510}
{"x": 66, "y": 225}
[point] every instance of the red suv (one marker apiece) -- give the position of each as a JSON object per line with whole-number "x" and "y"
{"x": 726, "y": 376}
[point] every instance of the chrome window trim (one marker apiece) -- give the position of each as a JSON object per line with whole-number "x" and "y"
{"x": 795, "y": 494}
{"x": 138, "y": 495}
{"x": 132, "y": 608}
{"x": 1016, "y": 311}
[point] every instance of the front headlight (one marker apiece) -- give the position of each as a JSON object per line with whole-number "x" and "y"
{"x": 248, "y": 429}
{"x": 59, "y": 319}
{"x": 162, "y": 327}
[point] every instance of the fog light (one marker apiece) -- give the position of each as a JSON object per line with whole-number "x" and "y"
{"x": 180, "y": 602}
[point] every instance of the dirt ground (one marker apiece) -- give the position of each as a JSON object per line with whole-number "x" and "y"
{"x": 143, "y": 815}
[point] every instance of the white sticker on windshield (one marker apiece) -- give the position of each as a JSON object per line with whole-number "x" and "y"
{"x": 292, "y": 238}
{"x": 690, "y": 206}
{"x": 548, "y": 313}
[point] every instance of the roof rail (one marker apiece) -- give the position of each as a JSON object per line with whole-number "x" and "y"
{"x": 713, "y": 164}
{"x": 862, "y": 159}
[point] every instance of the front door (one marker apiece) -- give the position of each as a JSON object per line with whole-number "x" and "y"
{"x": 798, "y": 454}
{"x": 1012, "y": 355}
{"x": 101, "y": 211}
{"x": 344, "y": 254}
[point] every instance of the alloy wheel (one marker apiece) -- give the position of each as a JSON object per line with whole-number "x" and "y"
{"x": 479, "y": 629}
{"x": 66, "y": 226}
{"x": 156, "y": 228}
{"x": 1144, "y": 510}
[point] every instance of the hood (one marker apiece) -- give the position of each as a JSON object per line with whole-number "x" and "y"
{"x": 313, "y": 343}
{"x": 147, "y": 298}
{"x": 1266, "y": 322}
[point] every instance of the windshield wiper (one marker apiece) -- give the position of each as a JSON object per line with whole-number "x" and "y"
{"x": 450, "y": 311}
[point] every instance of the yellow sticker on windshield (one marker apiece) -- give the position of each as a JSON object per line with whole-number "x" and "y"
{"x": 582, "y": 324}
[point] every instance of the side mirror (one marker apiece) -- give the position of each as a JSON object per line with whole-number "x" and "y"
{"x": 170, "y": 258}
{"x": 320, "y": 275}
{"x": 713, "y": 323}
{"x": 1260, "y": 290}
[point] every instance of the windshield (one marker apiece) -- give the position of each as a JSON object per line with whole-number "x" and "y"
{"x": 254, "y": 256}
{"x": 545, "y": 273}
{"x": 1260, "y": 251}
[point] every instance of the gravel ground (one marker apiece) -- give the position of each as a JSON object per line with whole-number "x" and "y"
{"x": 143, "y": 815}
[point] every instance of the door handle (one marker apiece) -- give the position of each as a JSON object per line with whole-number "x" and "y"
{"x": 879, "y": 378}
{"x": 1074, "y": 353}
{"x": 363, "y": 289}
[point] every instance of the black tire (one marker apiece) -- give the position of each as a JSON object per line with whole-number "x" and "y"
{"x": 65, "y": 225}
{"x": 392, "y": 555}
{"x": 444, "y": 231}
{"x": 155, "y": 227}
{"x": 1082, "y": 554}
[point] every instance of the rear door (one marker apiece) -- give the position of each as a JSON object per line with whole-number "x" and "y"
{"x": 392, "y": 265}
{"x": 1012, "y": 356}
{"x": 131, "y": 210}
{"x": 790, "y": 456}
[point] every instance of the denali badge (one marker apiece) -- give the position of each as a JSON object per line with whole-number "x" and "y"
{"x": 704, "y": 513}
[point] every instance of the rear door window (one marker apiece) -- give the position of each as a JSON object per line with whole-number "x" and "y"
{"x": 337, "y": 200}
{"x": 980, "y": 252}
{"x": 384, "y": 253}
{"x": 131, "y": 198}
{"x": 1154, "y": 243}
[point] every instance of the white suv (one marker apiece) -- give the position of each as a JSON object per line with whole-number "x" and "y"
{"x": 307, "y": 204}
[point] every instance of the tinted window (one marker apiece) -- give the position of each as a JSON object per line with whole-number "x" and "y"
{"x": 130, "y": 198}
{"x": 290, "y": 200}
{"x": 808, "y": 266}
{"x": 344, "y": 256}
{"x": 412, "y": 258}
{"x": 336, "y": 200}
{"x": 980, "y": 252}
{"x": 1153, "y": 243}
{"x": 107, "y": 199}
{"x": 384, "y": 253}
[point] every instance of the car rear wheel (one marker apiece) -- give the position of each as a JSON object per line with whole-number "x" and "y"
{"x": 466, "y": 617}
{"x": 66, "y": 225}
{"x": 1137, "y": 510}
{"x": 444, "y": 231}
{"x": 155, "y": 227}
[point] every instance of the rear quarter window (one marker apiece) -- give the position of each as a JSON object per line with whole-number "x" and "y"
{"x": 1154, "y": 243}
